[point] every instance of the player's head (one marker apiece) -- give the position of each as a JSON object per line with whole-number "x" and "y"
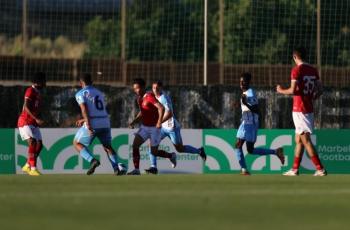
{"x": 139, "y": 86}
{"x": 244, "y": 81}
{"x": 39, "y": 80}
{"x": 299, "y": 54}
{"x": 157, "y": 87}
{"x": 85, "y": 79}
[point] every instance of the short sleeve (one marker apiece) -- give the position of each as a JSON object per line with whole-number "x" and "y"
{"x": 152, "y": 99}
{"x": 166, "y": 103}
{"x": 294, "y": 74}
{"x": 79, "y": 98}
{"x": 30, "y": 94}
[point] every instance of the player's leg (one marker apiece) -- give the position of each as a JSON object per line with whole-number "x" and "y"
{"x": 27, "y": 134}
{"x": 155, "y": 140}
{"x": 153, "y": 159}
{"x": 298, "y": 155}
{"x": 105, "y": 137}
{"x": 140, "y": 137}
{"x": 310, "y": 149}
{"x": 82, "y": 140}
{"x": 176, "y": 139}
{"x": 238, "y": 149}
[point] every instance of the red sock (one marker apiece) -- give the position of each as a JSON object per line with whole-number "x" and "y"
{"x": 296, "y": 164}
{"x": 31, "y": 155}
{"x": 136, "y": 158}
{"x": 317, "y": 162}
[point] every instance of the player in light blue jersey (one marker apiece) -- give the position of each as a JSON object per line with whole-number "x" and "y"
{"x": 95, "y": 123}
{"x": 170, "y": 128}
{"x": 248, "y": 129}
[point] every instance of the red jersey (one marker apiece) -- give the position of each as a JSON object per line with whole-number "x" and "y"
{"x": 148, "y": 109}
{"x": 306, "y": 77}
{"x": 35, "y": 101}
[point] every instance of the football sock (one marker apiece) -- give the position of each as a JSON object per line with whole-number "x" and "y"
{"x": 153, "y": 159}
{"x": 113, "y": 158}
{"x": 164, "y": 154}
{"x": 240, "y": 158}
{"x": 262, "y": 151}
{"x": 31, "y": 156}
{"x": 296, "y": 163}
{"x": 84, "y": 153}
{"x": 316, "y": 160}
{"x": 136, "y": 158}
{"x": 191, "y": 149}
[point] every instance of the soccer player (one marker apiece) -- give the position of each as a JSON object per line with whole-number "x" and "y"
{"x": 29, "y": 122}
{"x": 150, "y": 115}
{"x": 95, "y": 123}
{"x": 248, "y": 129}
{"x": 170, "y": 128}
{"x": 305, "y": 87}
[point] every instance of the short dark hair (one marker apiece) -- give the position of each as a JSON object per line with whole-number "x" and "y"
{"x": 39, "y": 77}
{"x": 300, "y": 52}
{"x": 86, "y": 78}
{"x": 246, "y": 76}
{"x": 140, "y": 82}
{"x": 158, "y": 82}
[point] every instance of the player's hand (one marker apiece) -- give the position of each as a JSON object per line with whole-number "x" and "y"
{"x": 39, "y": 122}
{"x": 131, "y": 125}
{"x": 279, "y": 89}
{"x": 80, "y": 122}
{"x": 159, "y": 125}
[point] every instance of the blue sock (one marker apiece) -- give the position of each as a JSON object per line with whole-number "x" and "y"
{"x": 113, "y": 158}
{"x": 152, "y": 158}
{"x": 261, "y": 151}
{"x": 191, "y": 149}
{"x": 240, "y": 158}
{"x": 84, "y": 153}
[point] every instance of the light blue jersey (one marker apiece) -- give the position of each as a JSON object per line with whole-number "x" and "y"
{"x": 248, "y": 130}
{"x": 96, "y": 105}
{"x": 171, "y": 123}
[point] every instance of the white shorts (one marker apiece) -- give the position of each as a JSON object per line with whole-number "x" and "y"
{"x": 150, "y": 132}
{"x": 30, "y": 131}
{"x": 303, "y": 122}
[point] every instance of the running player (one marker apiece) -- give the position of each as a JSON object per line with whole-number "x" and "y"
{"x": 29, "y": 122}
{"x": 150, "y": 116}
{"x": 305, "y": 87}
{"x": 95, "y": 123}
{"x": 170, "y": 128}
{"x": 248, "y": 129}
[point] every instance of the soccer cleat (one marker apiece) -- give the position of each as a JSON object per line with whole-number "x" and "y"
{"x": 120, "y": 170}
{"x": 135, "y": 172}
{"x": 202, "y": 154}
{"x": 280, "y": 155}
{"x": 291, "y": 172}
{"x": 93, "y": 165}
{"x": 173, "y": 160}
{"x": 244, "y": 172}
{"x": 152, "y": 170}
{"x": 26, "y": 168}
{"x": 321, "y": 172}
{"x": 34, "y": 172}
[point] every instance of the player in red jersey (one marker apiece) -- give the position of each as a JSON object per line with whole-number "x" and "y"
{"x": 150, "y": 116}
{"x": 305, "y": 88}
{"x": 29, "y": 122}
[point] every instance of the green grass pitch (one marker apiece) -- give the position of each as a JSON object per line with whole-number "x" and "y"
{"x": 166, "y": 202}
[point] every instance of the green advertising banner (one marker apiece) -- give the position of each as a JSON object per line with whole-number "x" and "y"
{"x": 332, "y": 145}
{"x": 7, "y": 151}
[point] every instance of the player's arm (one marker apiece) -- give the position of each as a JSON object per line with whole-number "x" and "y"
{"x": 26, "y": 107}
{"x": 252, "y": 108}
{"x": 161, "y": 110}
{"x": 288, "y": 91}
{"x": 85, "y": 114}
{"x": 137, "y": 119}
{"x": 167, "y": 115}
